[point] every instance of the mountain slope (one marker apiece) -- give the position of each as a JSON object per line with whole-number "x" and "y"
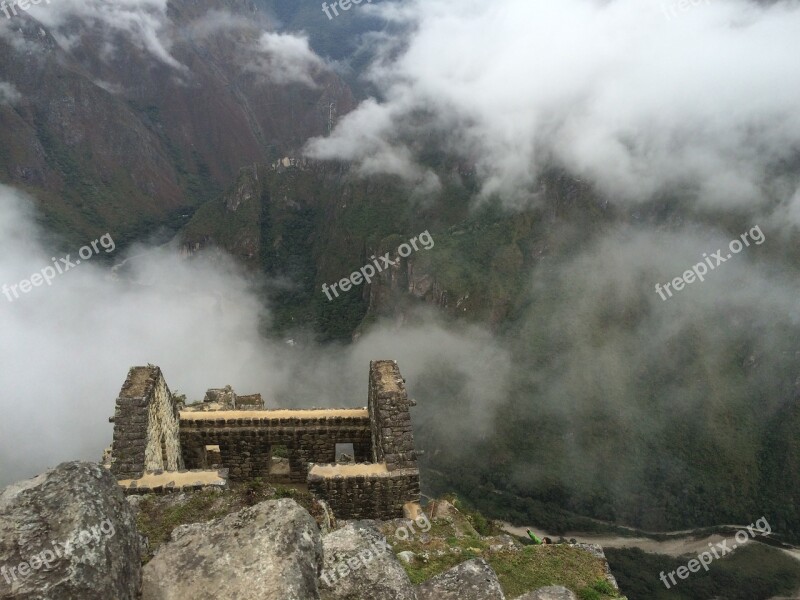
{"x": 116, "y": 140}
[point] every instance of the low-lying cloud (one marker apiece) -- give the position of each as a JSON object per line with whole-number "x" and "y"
{"x": 68, "y": 346}
{"x": 280, "y": 57}
{"x": 605, "y": 369}
{"x": 145, "y": 22}
{"x": 9, "y": 93}
{"x": 286, "y": 58}
{"x": 702, "y": 105}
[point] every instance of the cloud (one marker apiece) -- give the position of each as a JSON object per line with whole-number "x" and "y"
{"x": 604, "y": 368}
{"x": 286, "y": 58}
{"x": 702, "y": 104}
{"x": 69, "y": 345}
{"x": 144, "y": 21}
{"x": 281, "y": 58}
{"x": 372, "y": 127}
{"x": 9, "y": 93}
{"x": 597, "y": 350}
{"x": 216, "y": 21}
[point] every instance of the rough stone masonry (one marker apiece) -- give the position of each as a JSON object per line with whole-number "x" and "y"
{"x": 154, "y": 437}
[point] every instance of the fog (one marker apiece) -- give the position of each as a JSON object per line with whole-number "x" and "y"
{"x": 616, "y": 371}
{"x": 625, "y": 93}
{"x": 690, "y": 115}
{"x": 280, "y": 57}
{"x": 68, "y": 346}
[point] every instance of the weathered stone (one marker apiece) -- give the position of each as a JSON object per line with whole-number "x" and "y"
{"x": 147, "y": 416}
{"x": 369, "y": 496}
{"x": 359, "y": 564}
{"x": 553, "y": 592}
{"x": 68, "y": 533}
{"x": 471, "y": 580}
{"x": 271, "y": 551}
{"x": 406, "y": 556}
{"x": 151, "y": 432}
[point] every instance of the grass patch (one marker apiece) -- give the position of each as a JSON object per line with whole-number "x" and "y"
{"x": 559, "y": 564}
{"x": 157, "y": 518}
{"x": 159, "y": 515}
{"x": 455, "y": 539}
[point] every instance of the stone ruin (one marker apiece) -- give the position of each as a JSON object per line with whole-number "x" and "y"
{"x": 160, "y": 446}
{"x": 226, "y": 399}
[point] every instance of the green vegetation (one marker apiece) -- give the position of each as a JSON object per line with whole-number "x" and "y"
{"x": 159, "y": 515}
{"x": 597, "y": 591}
{"x": 280, "y": 452}
{"x": 604, "y": 587}
{"x": 587, "y": 429}
{"x": 539, "y": 566}
{"x": 157, "y": 518}
{"x": 454, "y": 539}
{"x": 449, "y": 541}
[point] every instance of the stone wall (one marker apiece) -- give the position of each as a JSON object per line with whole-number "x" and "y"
{"x": 249, "y": 402}
{"x": 246, "y": 439}
{"x": 390, "y": 416}
{"x": 163, "y": 450}
{"x": 145, "y": 426}
{"x": 151, "y": 435}
{"x": 366, "y": 496}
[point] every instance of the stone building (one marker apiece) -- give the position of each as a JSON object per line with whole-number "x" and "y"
{"x": 160, "y": 446}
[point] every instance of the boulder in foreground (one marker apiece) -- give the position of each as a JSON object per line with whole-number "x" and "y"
{"x": 359, "y": 564}
{"x": 553, "y": 592}
{"x": 471, "y": 580}
{"x": 68, "y": 533}
{"x": 270, "y": 551}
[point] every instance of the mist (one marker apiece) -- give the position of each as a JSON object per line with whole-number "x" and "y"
{"x": 68, "y": 346}
{"x": 626, "y": 94}
{"x": 613, "y": 370}
{"x": 685, "y": 124}
{"x": 280, "y": 57}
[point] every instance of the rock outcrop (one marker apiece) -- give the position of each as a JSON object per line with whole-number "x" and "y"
{"x": 68, "y": 533}
{"x": 598, "y": 552}
{"x": 359, "y": 564}
{"x": 471, "y": 580}
{"x": 553, "y": 592}
{"x": 270, "y": 551}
